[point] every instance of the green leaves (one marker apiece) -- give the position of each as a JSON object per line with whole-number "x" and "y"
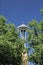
{"x": 36, "y": 39}
{"x": 33, "y": 23}
{"x": 2, "y": 20}
{"x": 41, "y": 11}
{"x": 11, "y": 46}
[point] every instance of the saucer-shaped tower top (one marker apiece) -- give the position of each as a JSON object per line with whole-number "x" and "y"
{"x": 23, "y": 29}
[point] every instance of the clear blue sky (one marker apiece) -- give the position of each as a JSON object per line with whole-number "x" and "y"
{"x": 21, "y": 11}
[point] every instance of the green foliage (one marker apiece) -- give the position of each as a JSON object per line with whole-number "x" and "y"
{"x": 11, "y": 46}
{"x": 41, "y": 11}
{"x": 35, "y": 38}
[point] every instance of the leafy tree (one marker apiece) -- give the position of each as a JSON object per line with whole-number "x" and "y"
{"x": 11, "y": 46}
{"x": 41, "y": 11}
{"x": 35, "y": 39}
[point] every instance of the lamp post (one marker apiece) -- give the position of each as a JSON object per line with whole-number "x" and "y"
{"x": 22, "y": 28}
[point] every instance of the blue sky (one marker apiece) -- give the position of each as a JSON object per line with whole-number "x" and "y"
{"x": 21, "y": 11}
